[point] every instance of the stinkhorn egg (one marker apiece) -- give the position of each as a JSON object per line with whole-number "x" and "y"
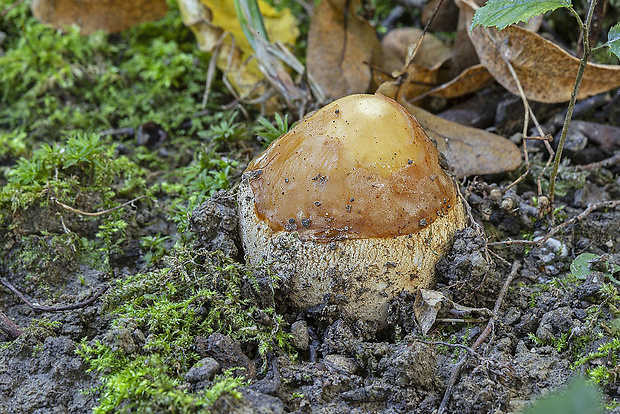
{"x": 350, "y": 207}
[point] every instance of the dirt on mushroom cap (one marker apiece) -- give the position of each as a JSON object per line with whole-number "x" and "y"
{"x": 360, "y": 167}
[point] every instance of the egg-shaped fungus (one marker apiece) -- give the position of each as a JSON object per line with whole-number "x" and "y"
{"x": 350, "y": 207}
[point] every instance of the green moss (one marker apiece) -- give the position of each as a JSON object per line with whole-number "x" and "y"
{"x": 84, "y": 162}
{"x": 147, "y": 383}
{"x": 54, "y": 82}
{"x": 197, "y": 294}
{"x": 58, "y": 92}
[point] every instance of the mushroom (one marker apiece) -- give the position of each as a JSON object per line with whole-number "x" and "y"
{"x": 350, "y": 207}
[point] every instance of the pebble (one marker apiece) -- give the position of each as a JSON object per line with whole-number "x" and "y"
{"x": 301, "y": 338}
{"x": 339, "y": 363}
{"x": 203, "y": 370}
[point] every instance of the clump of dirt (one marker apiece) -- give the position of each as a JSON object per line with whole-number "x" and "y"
{"x": 46, "y": 376}
{"x": 215, "y": 224}
{"x": 544, "y": 322}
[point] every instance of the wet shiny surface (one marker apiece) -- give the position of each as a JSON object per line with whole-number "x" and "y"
{"x": 359, "y": 167}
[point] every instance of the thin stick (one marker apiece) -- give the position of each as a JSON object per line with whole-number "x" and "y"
{"x": 554, "y": 230}
{"x": 411, "y": 53}
{"x": 460, "y": 320}
{"x": 9, "y": 328}
{"x": 212, "y": 65}
{"x": 498, "y": 303}
{"x": 99, "y": 213}
{"x": 526, "y": 121}
{"x": 608, "y": 162}
{"x": 585, "y": 28}
{"x": 38, "y": 307}
{"x": 11, "y": 7}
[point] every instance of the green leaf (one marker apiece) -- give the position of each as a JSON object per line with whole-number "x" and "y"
{"x": 580, "y": 266}
{"x": 613, "y": 40}
{"x": 579, "y": 398}
{"x": 502, "y": 13}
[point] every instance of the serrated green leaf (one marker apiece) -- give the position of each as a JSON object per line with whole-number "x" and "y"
{"x": 613, "y": 40}
{"x": 502, "y": 13}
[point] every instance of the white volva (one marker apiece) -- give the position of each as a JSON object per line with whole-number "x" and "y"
{"x": 350, "y": 207}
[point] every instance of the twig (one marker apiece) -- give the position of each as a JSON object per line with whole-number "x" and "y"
{"x": 411, "y": 53}
{"x": 615, "y": 159}
{"x": 38, "y": 307}
{"x": 460, "y": 320}
{"x": 212, "y": 65}
{"x": 573, "y": 96}
{"x": 498, "y": 303}
{"x": 527, "y": 113}
{"x": 483, "y": 336}
{"x": 500, "y": 258}
{"x": 477, "y": 226}
{"x": 99, "y": 213}
{"x": 11, "y": 7}
{"x": 554, "y": 230}
{"x": 8, "y": 327}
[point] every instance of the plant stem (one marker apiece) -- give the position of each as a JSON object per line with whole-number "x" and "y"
{"x": 573, "y": 98}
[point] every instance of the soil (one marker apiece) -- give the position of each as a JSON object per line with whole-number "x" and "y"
{"x": 546, "y": 320}
{"x": 345, "y": 366}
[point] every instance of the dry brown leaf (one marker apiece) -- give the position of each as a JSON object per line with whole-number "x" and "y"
{"x": 419, "y": 76}
{"x": 470, "y": 151}
{"x": 463, "y": 53}
{"x": 468, "y": 81}
{"x": 414, "y": 82}
{"x": 92, "y": 15}
{"x": 446, "y": 18}
{"x": 431, "y": 54}
{"x": 546, "y": 72}
{"x": 341, "y": 44}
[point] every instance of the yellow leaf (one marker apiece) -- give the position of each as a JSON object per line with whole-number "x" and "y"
{"x": 210, "y": 19}
{"x": 281, "y": 26}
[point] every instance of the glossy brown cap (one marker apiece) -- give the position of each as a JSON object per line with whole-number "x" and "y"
{"x": 360, "y": 167}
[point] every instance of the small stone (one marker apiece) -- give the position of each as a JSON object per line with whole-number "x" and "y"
{"x": 339, "y": 363}
{"x": 227, "y": 352}
{"x": 203, "y": 370}
{"x": 250, "y": 402}
{"x": 495, "y": 194}
{"x": 301, "y": 338}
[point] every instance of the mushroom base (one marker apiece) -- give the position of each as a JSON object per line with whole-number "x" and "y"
{"x": 362, "y": 276}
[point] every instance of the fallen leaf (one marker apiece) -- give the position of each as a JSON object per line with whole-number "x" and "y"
{"x": 463, "y": 53}
{"x": 446, "y": 18}
{"x": 546, "y": 72}
{"x": 429, "y": 304}
{"x": 426, "y": 306}
{"x": 470, "y": 151}
{"x": 421, "y": 73}
{"x": 477, "y": 111}
{"x": 91, "y": 15}
{"x": 215, "y": 25}
{"x": 341, "y": 45}
{"x": 431, "y": 54}
{"x": 470, "y": 80}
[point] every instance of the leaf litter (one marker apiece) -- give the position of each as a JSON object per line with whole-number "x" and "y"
{"x": 347, "y": 367}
